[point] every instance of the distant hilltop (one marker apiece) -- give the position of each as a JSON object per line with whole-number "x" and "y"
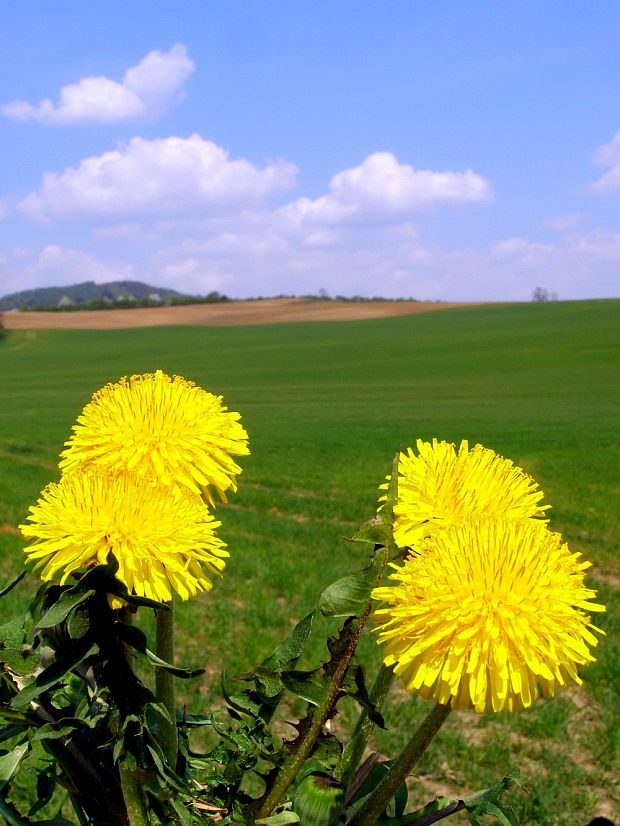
{"x": 91, "y": 296}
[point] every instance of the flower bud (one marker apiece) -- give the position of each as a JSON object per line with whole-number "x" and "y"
{"x": 319, "y": 799}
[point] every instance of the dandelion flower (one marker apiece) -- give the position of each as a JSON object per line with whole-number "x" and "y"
{"x": 440, "y": 487}
{"x": 160, "y": 426}
{"x": 488, "y": 615}
{"x": 162, "y": 538}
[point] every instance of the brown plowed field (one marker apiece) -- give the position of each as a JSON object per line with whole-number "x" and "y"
{"x": 234, "y": 313}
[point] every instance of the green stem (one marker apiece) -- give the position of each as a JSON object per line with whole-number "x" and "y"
{"x": 354, "y": 750}
{"x": 401, "y": 768}
{"x": 164, "y": 685}
{"x": 133, "y": 797}
{"x": 293, "y": 763}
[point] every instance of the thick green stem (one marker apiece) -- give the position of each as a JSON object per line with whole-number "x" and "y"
{"x": 164, "y": 685}
{"x": 134, "y": 798}
{"x": 401, "y": 768}
{"x": 354, "y": 750}
{"x": 292, "y": 765}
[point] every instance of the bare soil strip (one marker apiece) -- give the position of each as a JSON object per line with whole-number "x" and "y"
{"x": 233, "y": 314}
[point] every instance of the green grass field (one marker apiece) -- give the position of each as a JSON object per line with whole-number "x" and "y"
{"x": 326, "y": 406}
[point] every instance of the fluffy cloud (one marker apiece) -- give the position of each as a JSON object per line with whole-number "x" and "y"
{"x": 146, "y": 91}
{"x": 164, "y": 177}
{"x": 180, "y": 213}
{"x": 55, "y": 265}
{"x": 608, "y": 155}
{"x": 61, "y": 265}
{"x": 381, "y": 187}
{"x": 260, "y": 260}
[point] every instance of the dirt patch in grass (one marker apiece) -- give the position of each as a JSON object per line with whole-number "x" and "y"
{"x": 234, "y": 313}
{"x": 9, "y": 529}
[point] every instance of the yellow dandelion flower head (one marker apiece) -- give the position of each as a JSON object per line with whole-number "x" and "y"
{"x": 163, "y": 538}
{"x": 442, "y": 486}
{"x": 161, "y": 426}
{"x": 487, "y": 615}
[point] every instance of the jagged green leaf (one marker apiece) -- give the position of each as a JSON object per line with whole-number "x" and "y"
{"x": 311, "y": 686}
{"x": 57, "y": 731}
{"x": 183, "y": 673}
{"x": 22, "y": 661}
{"x": 52, "y": 675}
{"x": 349, "y": 595}
{"x": 61, "y": 609}
{"x": 426, "y": 814}
{"x": 12, "y": 633}
{"x": 136, "y": 638}
{"x": 489, "y": 802}
{"x": 374, "y": 532}
{"x": 288, "y": 652}
{"x": 354, "y": 684}
{"x": 378, "y": 530}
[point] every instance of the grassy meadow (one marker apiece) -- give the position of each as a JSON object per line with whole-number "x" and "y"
{"x": 326, "y": 406}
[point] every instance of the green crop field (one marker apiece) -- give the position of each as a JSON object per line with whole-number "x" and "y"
{"x": 326, "y": 406}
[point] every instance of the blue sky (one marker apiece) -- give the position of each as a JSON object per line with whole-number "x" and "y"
{"x": 441, "y": 151}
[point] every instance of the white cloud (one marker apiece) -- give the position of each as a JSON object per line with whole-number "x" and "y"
{"x": 164, "y": 177}
{"x": 146, "y": 91}
{"x": 178, "y": 212}
{"x": 55, "y": 265}
{"x": 60, "y": 265}
{"x": 381, "y": 188}
{"x": 608, "y": 183}
{"x": 608, "y": 155}
{"x": 260, "y": 257}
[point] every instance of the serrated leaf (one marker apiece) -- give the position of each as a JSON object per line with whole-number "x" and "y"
{"x": 288, "y": 652}
{"x": 23, "y": 662}
{"x": 247, "y": 701}
{"x": 488, "y": 802}
{"x": 183, "y": 673}
{"x": 354, "y": 684}
{"x": 486, "y": 807}
{"x": 56, "y": 731}
{"x": 12, "y": 633}
{"x": 52, "y": 675}
{"x": 61, "y": 609}
{"x": 374, "y": 532}
{"x": 136, "y": 638}
{"x": 349, "y": 595}
{"x": 378, "y": 531}
{"x": 311, "y": 686}
{"x": 425, "y": 814}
